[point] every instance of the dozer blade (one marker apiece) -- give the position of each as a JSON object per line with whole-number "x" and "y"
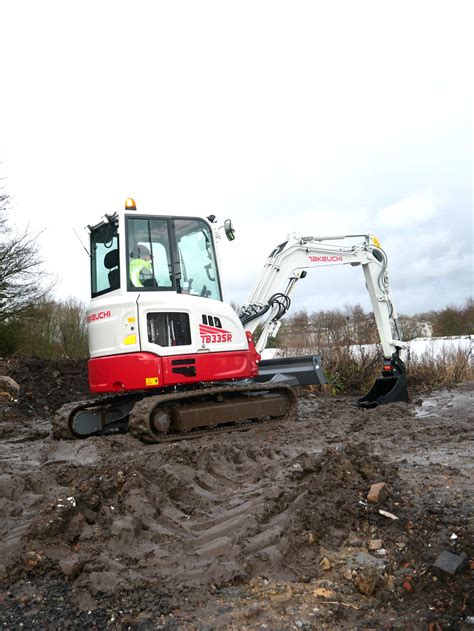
{"x": 303, "y": 370}
{"x": 390, "y": 387}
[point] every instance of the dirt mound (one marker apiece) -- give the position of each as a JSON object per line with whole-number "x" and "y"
{"x": 193, "y": 516}
{"x": 45, "y": 385}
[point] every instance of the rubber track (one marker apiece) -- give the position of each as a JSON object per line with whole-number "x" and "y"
{"x": 61, "y": 426}
{"x": 138, "y": 423}
{"x": 139, "y": 418}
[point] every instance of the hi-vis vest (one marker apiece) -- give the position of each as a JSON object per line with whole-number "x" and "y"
{"x": 139, "y": 267}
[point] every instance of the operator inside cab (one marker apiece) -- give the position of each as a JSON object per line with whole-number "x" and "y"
{"x": 141, "y": 270}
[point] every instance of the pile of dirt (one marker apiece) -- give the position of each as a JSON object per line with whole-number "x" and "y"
{"x": 45, "y": 385}
{"x": 266, "y": 527}
{"x": 169, "y": 517}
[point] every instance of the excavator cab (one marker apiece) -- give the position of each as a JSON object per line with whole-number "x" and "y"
{"x": 159, "y": 254}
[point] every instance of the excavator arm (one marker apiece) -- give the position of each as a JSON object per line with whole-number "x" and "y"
{"x": 288, "y": 263}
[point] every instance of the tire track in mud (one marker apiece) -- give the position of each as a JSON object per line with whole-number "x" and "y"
{"x": 217, "y": 515}
{"x": 192, "y": 515}
{"x": 177, "y": 515}
{"x": 235, "y": 521}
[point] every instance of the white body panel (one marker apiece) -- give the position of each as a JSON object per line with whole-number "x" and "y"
{"x": 111, "y": 328}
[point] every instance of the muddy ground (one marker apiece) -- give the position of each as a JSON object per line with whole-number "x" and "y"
{"x": 264, "y": 529}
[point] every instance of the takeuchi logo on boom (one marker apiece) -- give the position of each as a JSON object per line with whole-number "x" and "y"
{"x": 100, "y": 315}
{"x": 213, "y": 335}
{"x": 325, "y": 259}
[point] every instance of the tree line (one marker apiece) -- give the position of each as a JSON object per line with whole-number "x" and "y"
{"x": 352, "y": 325}
{"x": 32, "y": 322}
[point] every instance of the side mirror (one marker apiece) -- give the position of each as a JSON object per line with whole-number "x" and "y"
{"x": 229, "y": 230}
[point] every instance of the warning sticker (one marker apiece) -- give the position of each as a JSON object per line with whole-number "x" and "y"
{"x": 152, "y": 381}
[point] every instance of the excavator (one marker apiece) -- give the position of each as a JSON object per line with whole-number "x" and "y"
{"x": 171, "y": 360}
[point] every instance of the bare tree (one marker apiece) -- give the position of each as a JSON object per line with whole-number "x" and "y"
{"x": 54, "y": 330}
{"x": 21, "y": 276}
{"x": 72, "y": 328}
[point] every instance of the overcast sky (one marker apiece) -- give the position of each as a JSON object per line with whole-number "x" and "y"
{"x": 310, "y": 117}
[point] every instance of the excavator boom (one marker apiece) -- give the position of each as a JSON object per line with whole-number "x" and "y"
{"x": 288, "y": 263}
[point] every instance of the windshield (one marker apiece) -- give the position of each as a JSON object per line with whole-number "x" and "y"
{"x": 151, "y": 252}
{"x": 197, "y": 259}
{"x": 105, "y": 274}
{"x": 148, "y": 253}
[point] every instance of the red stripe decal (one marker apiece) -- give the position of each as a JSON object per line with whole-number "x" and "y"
{"x": 210, "y": 329}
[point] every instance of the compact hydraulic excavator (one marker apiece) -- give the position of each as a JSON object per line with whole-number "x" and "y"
{"x": 172, "y": 360}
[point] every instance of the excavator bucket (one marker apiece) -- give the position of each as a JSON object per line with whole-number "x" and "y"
{"x": 390, "y": 387}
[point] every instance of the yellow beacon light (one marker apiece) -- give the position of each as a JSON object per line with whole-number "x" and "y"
{"x": 130, "y": 204}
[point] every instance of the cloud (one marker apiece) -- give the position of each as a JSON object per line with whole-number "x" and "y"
{"x": 415, "y": 210}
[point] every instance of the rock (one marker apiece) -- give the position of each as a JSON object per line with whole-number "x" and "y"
{"x": 252, "y": 611}
{"x": 325, "y": 564}
{"x": 281, "y": 594}
{"x": 71, "y": 565}
{"x": 367, "y": 581}
{"x": 311, "y": 538}
{"x": 375, "y": 544}
{"x": 9, "y": 385}
{"x": 450, "y": 563}
{"x": 33, "y": 558}
{"x": 321, "y": 592}
{"x": 378, "y": 493}
{"x": 365, "y": 561}
{"x": 105, "y": 582}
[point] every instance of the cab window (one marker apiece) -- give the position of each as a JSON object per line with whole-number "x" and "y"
{"x": 197, "y": 259}
{"x": 105, "y": 270}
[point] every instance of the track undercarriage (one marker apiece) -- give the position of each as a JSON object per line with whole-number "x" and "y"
{"x": 178, "y": 415}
